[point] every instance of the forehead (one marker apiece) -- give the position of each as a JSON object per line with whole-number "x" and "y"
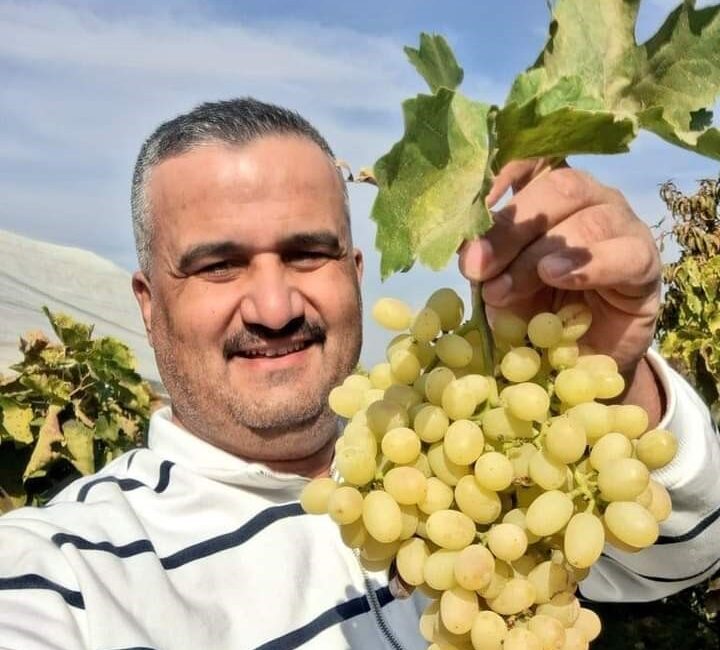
{"x": 275, "y": 181}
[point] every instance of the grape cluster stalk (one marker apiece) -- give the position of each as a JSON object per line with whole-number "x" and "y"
{"x": 493, "y": 475}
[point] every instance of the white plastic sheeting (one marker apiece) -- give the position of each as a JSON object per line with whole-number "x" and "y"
{"x": 69, "y": 280}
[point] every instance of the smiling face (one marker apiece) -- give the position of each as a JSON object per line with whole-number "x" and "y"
{"x": 253, "y": 300}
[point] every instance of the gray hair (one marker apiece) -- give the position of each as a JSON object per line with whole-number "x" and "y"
{"x": 235, "y": 122}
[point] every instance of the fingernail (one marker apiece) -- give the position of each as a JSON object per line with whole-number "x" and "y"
{"x": 496, "y": 290}
{"x": 475, "y": 259}
{"x": 556, "y": 266}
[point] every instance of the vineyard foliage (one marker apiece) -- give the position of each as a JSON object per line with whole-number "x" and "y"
{"x": 68, "y": 409}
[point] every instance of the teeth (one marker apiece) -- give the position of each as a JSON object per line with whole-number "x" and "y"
{"x": 276, "y": 352}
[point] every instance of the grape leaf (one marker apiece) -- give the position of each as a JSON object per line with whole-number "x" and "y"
{"x": 436, "y": 63}
{"x": 79, "y": 446}
{"x": 46, "y": 447}
{"x": 16, "y": 420}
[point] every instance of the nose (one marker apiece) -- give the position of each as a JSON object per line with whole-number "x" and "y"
{"x": 271, "y": 300}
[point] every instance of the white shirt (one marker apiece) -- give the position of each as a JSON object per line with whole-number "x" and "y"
{"x": 183, "y": 546}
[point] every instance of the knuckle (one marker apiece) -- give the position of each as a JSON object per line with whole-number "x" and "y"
{"x": 572, "y": 184}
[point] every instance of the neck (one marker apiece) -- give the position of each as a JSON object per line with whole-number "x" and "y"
{"x": 314, "y": 466}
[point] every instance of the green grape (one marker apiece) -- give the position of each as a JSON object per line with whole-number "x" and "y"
{"x": 588, "y": 622}
{"x": 584, "y": 540}
{"x": 660, "y": 505}
{"x": 598, "y": 364}
{"x": 375, "y": 551}
{"x": 549, "y": 578}
{"x": 507, "y": 541}
{"x": 425, "y": 352}
{"x": 458, "y": 608}
{"x": 622, "y": 479}
{"x": 527, "y": 401}
{"x": 656, "y": 448}
{"x": 548, "y": 630}
{"x": 438, "y": 496}
{"x": 401, "y": 445}
{"x": 373, "y": 395}
{"x": 381, "y": 376}
{"x": 410, "y": 560}
{"x": 546, "y": 471}
{"x": 500, "y": 424}
{"x": 520, "y": 364}
{"x": 545, "y": 330}
{"x": 494, "y": 471}
{"x": 435, "y": 384}
{"x": 422, "y": 464}
{"x": 574, "y": 386}
{"x": 439, "y": 570}
{"x": 631, "y": 523}
{"x": 629, "y": 419}
{"x": 563, "y": 355}
{"x": 509, "y": 328}
{"x": 463, "y": 442}
{"x": 405, "y": 366}
{"x": 450, "y": 529}
{"x": 385, "y": 415}
{"x": 575, "y": 640}
{"x": 428, "y": 619}
{"x": 481, "y": 505}
{"x": 520, "y": 458}
{"x": 359, "y": 435}
{"x": 431, "y": 423}
{"x": 517, "y": 516}
{"x": 358, "y": 382}
{"x": 382, "y": 516}
{"x": 474, "y": 566}
{"x": 449, "y": 306}
{"x": 355, "y": 465}
{"x": 610, "y": 447}
{"x": 315, "y": 495}
{"x": 410, "y": 518}
{"x": 488, "y": 631}
{"x": 453, "y": 350}
{"x": 458, "y": 400}
{"x": 565, "y": 439}
{"x": 564, "y": 606}
{"x": 500, "y": 577}
{"x": 392, "y": 314}
{"x": 354, "y": 535}
{"x": 520, "y": 638}
{"x": 576, "y": 319}
{"x": 407, "y": 485}
{"x": 399, "y": 342}
{"x": 517, "y": 594}
{"x": 479, "y": 386}
{"x": 596, "y": 419}
{"x": 609, "y": 386}
{"x": 403, "y": 395}
{"x": 426, "y": 325}
{"x": 443, "y": 467}
{"x": 549, "y": 513}
{"x": 345, "y": 505}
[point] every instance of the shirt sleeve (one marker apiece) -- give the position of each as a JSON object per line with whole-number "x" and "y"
{"x": 688, "y": 549}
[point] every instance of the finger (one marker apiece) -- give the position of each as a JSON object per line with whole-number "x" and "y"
{"x": 536, "y": 209}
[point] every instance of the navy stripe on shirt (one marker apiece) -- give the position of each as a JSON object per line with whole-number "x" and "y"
{"x": 128, "y": 484}
{"x": 663, "y": 578}
{"x": 328, "y": 618}
{"x": 34, "y": 581}
{"x": 693, "y": 532}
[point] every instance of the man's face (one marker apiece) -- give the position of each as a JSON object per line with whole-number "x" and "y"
{"x": 253, "y": 301}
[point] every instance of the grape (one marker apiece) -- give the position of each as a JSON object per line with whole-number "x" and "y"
{"x": 565, "y": 440}
{"x": 439, "y": 570}
{"x": 401, "y": 445}
{"x": 458, "y": 608}
{"x": 358, "y": 435}
{"x": 519, "y": 458}
{"x": 436, "y": 382}
{"x": 488, "y": 631}
{"x": 622, "y": 479}
{"x": 450, "y": 529}
{"x": 410, "y": 518}
{"x": 443, "y": 467}
{"x": 353, "y": 535}
{"x": 458, "y": 400}
{"x": 375, "y": 551}
{"x": 575, "y": 639}
{"x": 656, "y": 448}
{"x": 549, "y": 579}
{"x": 527, "y": 401}
{"x": 588, "y": 622}
{"x": 660, "y": 505}
{"x": 546, "y": 471}
{"x": 426, "y": 325}
{"x": 405, "y": 366}
{"x": 500, "y": 424}
{"x": 315, "y": 495}
{"x": 596, "y": 419}
{"x": 481, "y": 505}
{"x": 392, "y": 314}
{"x": 474, "y": 567}
{"x": 449, "y": 306}
{"x": 509, "y": 328}
{"x": 381, "y": 376}
{"x": 345, "y": 505}
{"x": 610, "y": 447}
{"x": 464, "y": 442}
{"x": 563, "y": 606}
{"x": 355, "y": 465}
{"x": 584, "y": 540}
{"x": 493, "y": 471}
{"x": 609, "y": 386}
{"x": 517, "y": 516}
{"x": 411, "y": 557}
{"x": 358, "y": 382}
{"x": 382, "y": 516}
{"x": 629, "y": 419}
{"x": 563, "y": 355}
{"x": 545, "y": 330}
{"x": 516, "y": 595}
{"x": 422, "y": 464}
{"x": 631, "y": 523}
{"x": 431, "y": 423}
{"x": 549, "y": 513}
{"x": 407, "y": 485}
{"x": 576, "y": 319}
{"x": 520, "y": 364}
{"x": 507, "y": 541}
{"x": 345, "y": 400}
{"x": 403, "y": 395}
{"x": 428, "y": 618}
{"x": 574, "y": 386}
{"x": 453, "y": 350}
{"x": 438, "y": 496}
{"x": 479, "y": 386}
{"x": 373, "y": 395}
{"x": 550, "y": 631}
{"x": 385, "y": 415}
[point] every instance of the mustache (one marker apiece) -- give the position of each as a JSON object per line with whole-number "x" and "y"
{"x": 257, "y": 336}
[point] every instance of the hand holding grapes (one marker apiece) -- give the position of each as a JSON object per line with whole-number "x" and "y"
{"x": 563, "y": 233}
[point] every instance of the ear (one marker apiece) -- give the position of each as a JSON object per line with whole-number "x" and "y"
{"x": 143, "y": 295}
{"x": 359, "y": 264}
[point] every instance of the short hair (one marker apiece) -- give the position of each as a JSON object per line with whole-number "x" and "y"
{"x": 236, "y": 121}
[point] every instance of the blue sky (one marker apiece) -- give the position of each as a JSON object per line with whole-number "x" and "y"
{"x": 85, "y": 81}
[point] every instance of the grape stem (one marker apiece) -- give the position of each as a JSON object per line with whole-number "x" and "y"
{"x": 478, "y": 320}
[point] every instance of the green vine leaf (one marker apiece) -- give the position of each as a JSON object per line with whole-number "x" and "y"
{"x": 436, "y": 63}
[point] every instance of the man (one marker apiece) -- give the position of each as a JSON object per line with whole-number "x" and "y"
{"x": 249, "y": 288}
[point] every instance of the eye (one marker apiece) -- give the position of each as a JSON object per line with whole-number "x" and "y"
{"x": 306, "y": 259}
{"x": 217, "y": 269}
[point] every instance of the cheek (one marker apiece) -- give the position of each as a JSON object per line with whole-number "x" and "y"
{"x": 336, "y": 297}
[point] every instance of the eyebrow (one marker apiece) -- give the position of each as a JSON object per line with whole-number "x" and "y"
{"x": 323, "y": 239}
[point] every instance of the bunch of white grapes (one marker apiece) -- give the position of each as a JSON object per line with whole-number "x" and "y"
{"x": 492, "y": 493}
